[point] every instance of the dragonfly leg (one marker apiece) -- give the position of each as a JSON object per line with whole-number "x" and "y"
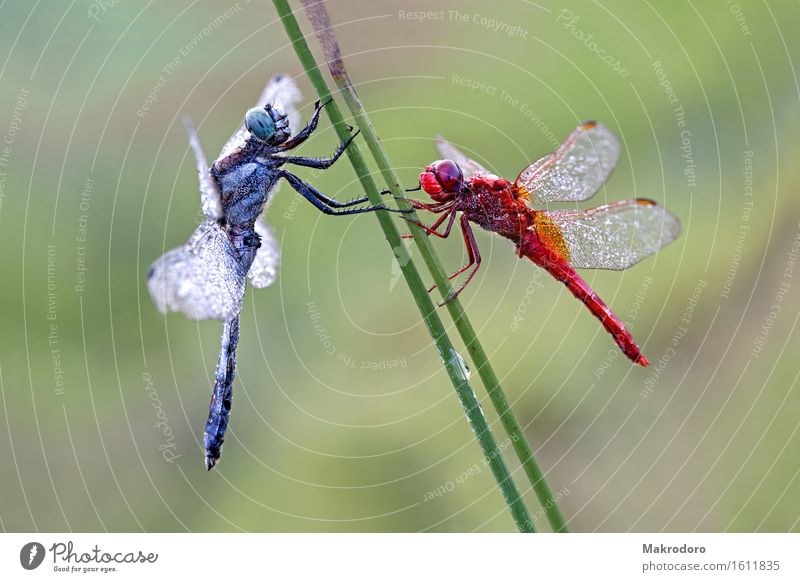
{"x": 221, "y": 398}
{"x": 326, "y": 204}
{"x": 433, "y": 229}
{"x": 474, "y": 259}
{"x": 306, "y": 132}
{"x": 417, "y": 189}
{"x": 419, "y": 205}
{"x": 319, "y": 163}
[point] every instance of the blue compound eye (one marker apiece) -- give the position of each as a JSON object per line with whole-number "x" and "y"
{"x": 259, "y": 123}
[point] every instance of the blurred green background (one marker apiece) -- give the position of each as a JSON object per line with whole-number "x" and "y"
{"x": 343, "y": 419}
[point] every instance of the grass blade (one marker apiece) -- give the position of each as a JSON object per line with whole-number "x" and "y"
{"x": 318, "y": 16}
{"x": 452, "y": 362}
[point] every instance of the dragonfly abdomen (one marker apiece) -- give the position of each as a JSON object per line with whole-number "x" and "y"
{"x": 532, "y": 248}
{"x": 222, "y": 396}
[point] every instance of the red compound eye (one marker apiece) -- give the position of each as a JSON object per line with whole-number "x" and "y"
{"x": 448, "y": 174}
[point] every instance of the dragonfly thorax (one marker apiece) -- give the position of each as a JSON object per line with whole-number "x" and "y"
{"x": 245, "y": 189}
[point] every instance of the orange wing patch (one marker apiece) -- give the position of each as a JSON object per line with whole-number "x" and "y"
{"x": 520, "y": 193}
{"x": 549, "y": 234}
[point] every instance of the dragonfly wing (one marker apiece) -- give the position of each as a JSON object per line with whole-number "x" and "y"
{"x": 576, "y": 170}
{"x": 210, "y": 197}
{"x": 468, "y": 166}
{"x": 281, "y": 91}
{"x": 264, "y": 269}
{"x": 613, "y": 236}
{"x": 202, "y": 279}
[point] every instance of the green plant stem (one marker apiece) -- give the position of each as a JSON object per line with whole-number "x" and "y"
{"x": 453, "y": 364}
{"x": 315, "y": 9}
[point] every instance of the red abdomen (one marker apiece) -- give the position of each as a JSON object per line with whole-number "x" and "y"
{"x": 531, "y": 247}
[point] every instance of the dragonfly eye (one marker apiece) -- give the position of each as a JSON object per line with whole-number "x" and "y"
{"x": 448, "y": 174}
{"x": 259, "y": 123}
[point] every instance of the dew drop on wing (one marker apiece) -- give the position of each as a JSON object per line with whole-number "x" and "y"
{"x": 203, "y": 279}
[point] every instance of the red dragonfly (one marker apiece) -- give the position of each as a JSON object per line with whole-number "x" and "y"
{"x": 613, "y": 236}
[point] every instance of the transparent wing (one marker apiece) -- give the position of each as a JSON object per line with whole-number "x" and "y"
{"x": 203, "y": 278}
{"x": 576, "y": 170}
{"x": 613, "y": 236}
{"x": 210, "y": 198}
{"x": 468, "y": 166}
{"x": 282, "y": 91}
{"x": 264, "y": 269}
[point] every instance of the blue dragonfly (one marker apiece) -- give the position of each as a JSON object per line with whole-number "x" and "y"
{"x": 206, "y": 277}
